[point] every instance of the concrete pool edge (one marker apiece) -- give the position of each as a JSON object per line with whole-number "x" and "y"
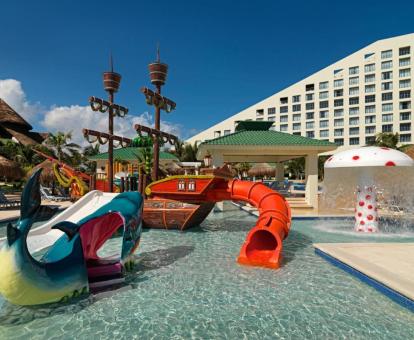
{"x": 392, "y": 294}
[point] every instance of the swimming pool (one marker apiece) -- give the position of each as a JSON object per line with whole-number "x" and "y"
{"x": 189, "y": 285}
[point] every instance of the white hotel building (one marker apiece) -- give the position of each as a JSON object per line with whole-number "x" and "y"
{"x": 348, "y": 102}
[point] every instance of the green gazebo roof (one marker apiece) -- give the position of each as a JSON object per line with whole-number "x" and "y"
{"x": 258, "y": 133}
{"x": 129, "y": 154}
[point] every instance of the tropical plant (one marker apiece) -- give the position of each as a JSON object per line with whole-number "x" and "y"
{"x": 63, "y": 149}
{"x": 243, "y": 168}
{"x": 189, "y": 153}
{"x": 296, "y": 167}
{"x": 145, "y": 159}
{"x": 179, "y": 149}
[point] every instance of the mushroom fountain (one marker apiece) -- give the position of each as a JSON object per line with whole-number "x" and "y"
{"x": 368, "y": 161}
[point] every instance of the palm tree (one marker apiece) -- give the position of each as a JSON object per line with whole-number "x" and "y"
{"x": 145, "y": 158}
{"x": 179, "y": 149}
{"x": 189, "y": 153}
{"x": 60, "y": 144}
{"x": 243, "y": 168}
{"x": 387, "y": 139}
{"x": 296, "y": 167}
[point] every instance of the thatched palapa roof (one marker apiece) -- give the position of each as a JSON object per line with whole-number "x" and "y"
{"x": 10, "y": 170}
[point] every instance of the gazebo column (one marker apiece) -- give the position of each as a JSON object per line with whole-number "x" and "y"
{"x": 280, "y": 171}
{"x": 311, "y": 171}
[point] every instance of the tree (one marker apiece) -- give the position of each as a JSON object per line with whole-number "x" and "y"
{"x": 189, "y": 153}
{"x": 296, "y": 167}
{"x": 145, "y": 158}
{"x": 90, "y": 150}
{"x": 243, "y": 168}
{"x": 321, "y": 164}
{"x": 63, "y": 149}
{"x": 387, "y": 139}
{"x": 179, "y": 149}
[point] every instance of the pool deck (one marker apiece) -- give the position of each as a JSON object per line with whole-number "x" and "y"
{"x": 388, "y": 267}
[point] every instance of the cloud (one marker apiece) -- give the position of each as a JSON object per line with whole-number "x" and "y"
{"x": 11, "y": 91}
{"x": 74, "y": 117}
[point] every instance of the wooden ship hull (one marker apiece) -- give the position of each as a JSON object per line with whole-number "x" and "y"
{"x": 170, "y": 214}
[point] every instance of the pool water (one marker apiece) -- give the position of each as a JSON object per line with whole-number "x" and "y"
{"x": 188, "y": 285}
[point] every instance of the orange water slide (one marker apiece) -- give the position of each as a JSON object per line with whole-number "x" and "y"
{"x": 263, "y": 244}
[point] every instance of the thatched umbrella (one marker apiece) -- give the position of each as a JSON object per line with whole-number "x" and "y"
{"x": 409, "y": 151}
{"x": 10, "y": 170}
{"x": 47, "y": 177}
{"x": 261, "y": 170}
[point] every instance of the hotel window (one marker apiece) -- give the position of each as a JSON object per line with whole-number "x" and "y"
{"x": 354, "y": 101}
{"x": 386, "y": 96}
{"x": 323, "y": 95}
{"x": 370, "y": 120}
{"x": 369, "y": 88}
{"x": 405, "y": 138}
{"x": 339, "y": 93}
{"x": 338, "y": 132}
{"x": 405, "y": 116}
{"x": 370, "y": 140}
{"x": 338, "y": 102}
{"x": 284, "y": 128}
{"x": 353, "y": 91}
{"x": 405, "y": 62}
{"x": 339, "y": 113}
{"x": 310, "y": 125}
{"x": 370, "y": 98}
{"x": 405, "y": 73}
{"x": 405, "y": 83}
{"x": 370, "y": 78}
{"x": 323, "y": 85}
{"x": 271, "y": 119}
{"x": 405, "y": 127}
{"x": 323, "y": 114}
{"x": 283, "y": 109}
{"x": 386, "y": 86}
{"x": 310, "y": 87}
{"x": 323, "y": 123}
{"x": 339, "y": 141}
{"x": 339, "y": 122}
{"x": 260, "y": 112}
{"x": 353, "y": 70}
{"x": 296, "y": 117}
{"x": 310, "y": 115}
{"x": 404, "y": 50}
{"x": 283, "y": 119}
{"x": 386, "y": 65}
{"x": 310, "y": 134}
{"x": 310, "y": 106}
{"x": 387, "y": 118}
{"x": 259, "y": 119}
{"x": 386, "y": 75}
{"x": 354, "y": 81}
{"x": 387, "y": 107}
{"x": 369, "y": 68}
{"x": 354, "y": 141}
{"x": 386, "y": 54}
{"x": 387, "y": 128}
{"x": 369, "y": 130}
{"x": 353, "y": 111}
{"x": 271, "y": 110}
{"x": 405, "y": 105}
{"x": 324, "y": 104}
{"x": 338, "y": 83}
{"x": 354, "y": 131}
{"x": 370, "y": 109}
{"x": 284, "y": 100}
{"x": 324, "y": 133}
{"x": 296, "y": 133}
{"x": 296, "y": 126}
{"x": 354, "y": 121}
{"x": 217, "y": 134}
{"x": 227, "y": 132}
{"x": 405, "y": 94}
{"x": 309, "y": 96}
{"x": 296, "y": 99}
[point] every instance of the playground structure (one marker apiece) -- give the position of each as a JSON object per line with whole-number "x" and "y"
{"x": 71, "y": 266}
{"x": 68, "y": 177}
{"x": 263, "y": 244}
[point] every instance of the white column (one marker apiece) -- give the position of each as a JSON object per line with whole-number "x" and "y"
{"x": 311, "y": 168}
{"x": 280, "y": 171}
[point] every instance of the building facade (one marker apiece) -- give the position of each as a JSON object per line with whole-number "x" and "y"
{"x": 348, "y": 102}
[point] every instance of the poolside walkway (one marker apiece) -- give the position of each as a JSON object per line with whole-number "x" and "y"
{"x": 391, "y": 264}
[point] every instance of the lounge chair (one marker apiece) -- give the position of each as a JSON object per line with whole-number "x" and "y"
{"x": 46, "y": 194}
{"x": 5, "y": 203}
